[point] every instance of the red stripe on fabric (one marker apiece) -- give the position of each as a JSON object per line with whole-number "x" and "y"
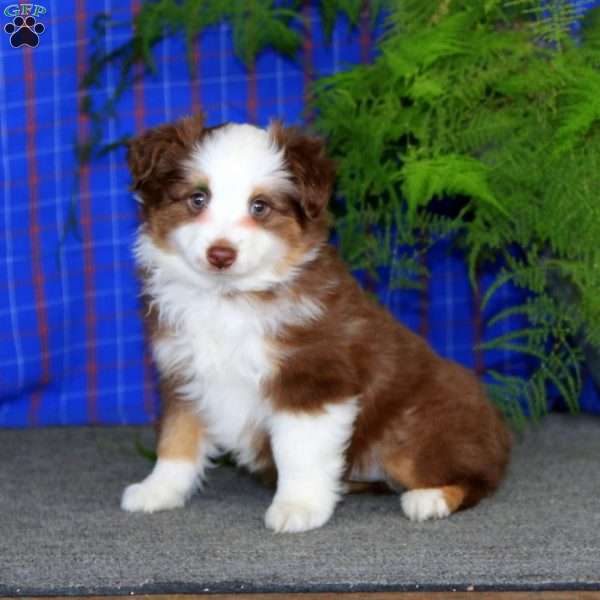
{"x": 34, "y": 236}
{"x": 307, "y": 60}
{"x": 106, "y": 218}
{"x": 365, "y": 34}
{"x": 139, "y": 103}
{"x": 85, "y": 202}
{"x": 196, "y": 78}
{"x": 252, "y": 98}
{"x": 479, "y": 357}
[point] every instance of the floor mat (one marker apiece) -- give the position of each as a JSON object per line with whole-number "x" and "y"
{"x": 62, "y": 532}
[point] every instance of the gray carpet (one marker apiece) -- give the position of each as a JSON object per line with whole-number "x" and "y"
{"x": 61, "y": 530}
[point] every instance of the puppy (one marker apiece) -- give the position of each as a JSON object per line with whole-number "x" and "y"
{"x": 267, "y": 348}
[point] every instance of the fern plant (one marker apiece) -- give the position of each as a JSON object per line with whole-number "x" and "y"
{"x": 493, "y": 106}
{"x": 256, "y": 25}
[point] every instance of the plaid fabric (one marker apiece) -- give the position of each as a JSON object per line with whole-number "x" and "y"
{"x": 72, "y": 348}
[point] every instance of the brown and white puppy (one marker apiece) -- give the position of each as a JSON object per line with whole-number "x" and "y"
{"x": 269, "y": 349}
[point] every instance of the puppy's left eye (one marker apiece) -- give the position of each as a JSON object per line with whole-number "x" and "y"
{"x": 259, "y": 209}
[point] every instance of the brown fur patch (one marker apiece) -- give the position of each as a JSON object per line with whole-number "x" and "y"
{"x": 368, "y": 487}
{"x": 155, "y": 156}
{"x": 181, "y": 431}
{"x": 313, "y": 172}
{"x": 400, "y": 468}
{"x": 454, "y": 496}
{"x": 264, "y": 464}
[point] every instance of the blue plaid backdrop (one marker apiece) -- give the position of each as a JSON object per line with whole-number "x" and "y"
{"x": 72, "y": 347}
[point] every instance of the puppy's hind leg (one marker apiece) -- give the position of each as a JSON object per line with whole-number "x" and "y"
{"x": 429, "y": 497}
{"x": 422, "y": 504}
{"x": 180, "y": 465}
{"x": 449, "y": 449}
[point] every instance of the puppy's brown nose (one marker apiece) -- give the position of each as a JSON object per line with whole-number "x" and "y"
{"x": 221, "y": 256}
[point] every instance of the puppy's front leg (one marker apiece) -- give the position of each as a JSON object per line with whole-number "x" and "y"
{"x": 308, "y": 449}
{"x": 180, "y": 465}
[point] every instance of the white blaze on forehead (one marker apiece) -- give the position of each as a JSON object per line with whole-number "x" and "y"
{"x": 236, "y": 159}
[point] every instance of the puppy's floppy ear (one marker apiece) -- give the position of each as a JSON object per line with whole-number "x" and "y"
{"x": 154, "y": 154}
{"x": 313, "y": 172}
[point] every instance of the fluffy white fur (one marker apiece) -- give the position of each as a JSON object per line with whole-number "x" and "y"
{"x": 420, "y": 505}
{"x": 169, "y": 485}
{"x": 309, "y": 455}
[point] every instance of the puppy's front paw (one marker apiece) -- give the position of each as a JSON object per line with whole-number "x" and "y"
{"x": 150, "y": 496}
{"x": 169, "y": 485}
{"x": 292, "y": 517}
{"x": 420, "y": 505}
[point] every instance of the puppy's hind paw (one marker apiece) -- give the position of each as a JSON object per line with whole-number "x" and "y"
{"x": 424, "y": 504}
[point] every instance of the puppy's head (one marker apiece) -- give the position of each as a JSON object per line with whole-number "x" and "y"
{"x": 237, "y": 207}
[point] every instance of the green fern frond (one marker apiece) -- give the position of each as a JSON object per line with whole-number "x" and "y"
{"x": 591, "y": 32}
{"x": 551, "y": 21}
{"x": 330, "y": 9}
{"x": 492, "y": 106}
{"x": 579, "y": 110}
{"x": 451, "y": 175}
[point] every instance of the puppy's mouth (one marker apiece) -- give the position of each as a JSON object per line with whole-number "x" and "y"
{"x": 219, "y": 271}
{"x": 206, "y": 270}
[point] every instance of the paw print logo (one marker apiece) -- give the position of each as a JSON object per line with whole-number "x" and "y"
{"x": 24, "y": 32}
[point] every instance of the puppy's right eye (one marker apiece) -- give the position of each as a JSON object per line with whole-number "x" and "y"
{"x": 198, "y": 200}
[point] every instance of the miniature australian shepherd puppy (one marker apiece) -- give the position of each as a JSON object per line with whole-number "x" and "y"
{"x": 268, "y": 349}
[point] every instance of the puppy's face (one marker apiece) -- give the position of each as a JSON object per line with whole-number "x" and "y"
{"x": 239, "y": 208}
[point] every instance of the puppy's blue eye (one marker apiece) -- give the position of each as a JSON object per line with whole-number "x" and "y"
{"x": 198, "y": 200}
{"x": 259, "y": 208}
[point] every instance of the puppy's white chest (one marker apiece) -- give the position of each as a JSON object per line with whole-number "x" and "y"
{"x": 229, "y": 342}
{"x": 219, "y": 347}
